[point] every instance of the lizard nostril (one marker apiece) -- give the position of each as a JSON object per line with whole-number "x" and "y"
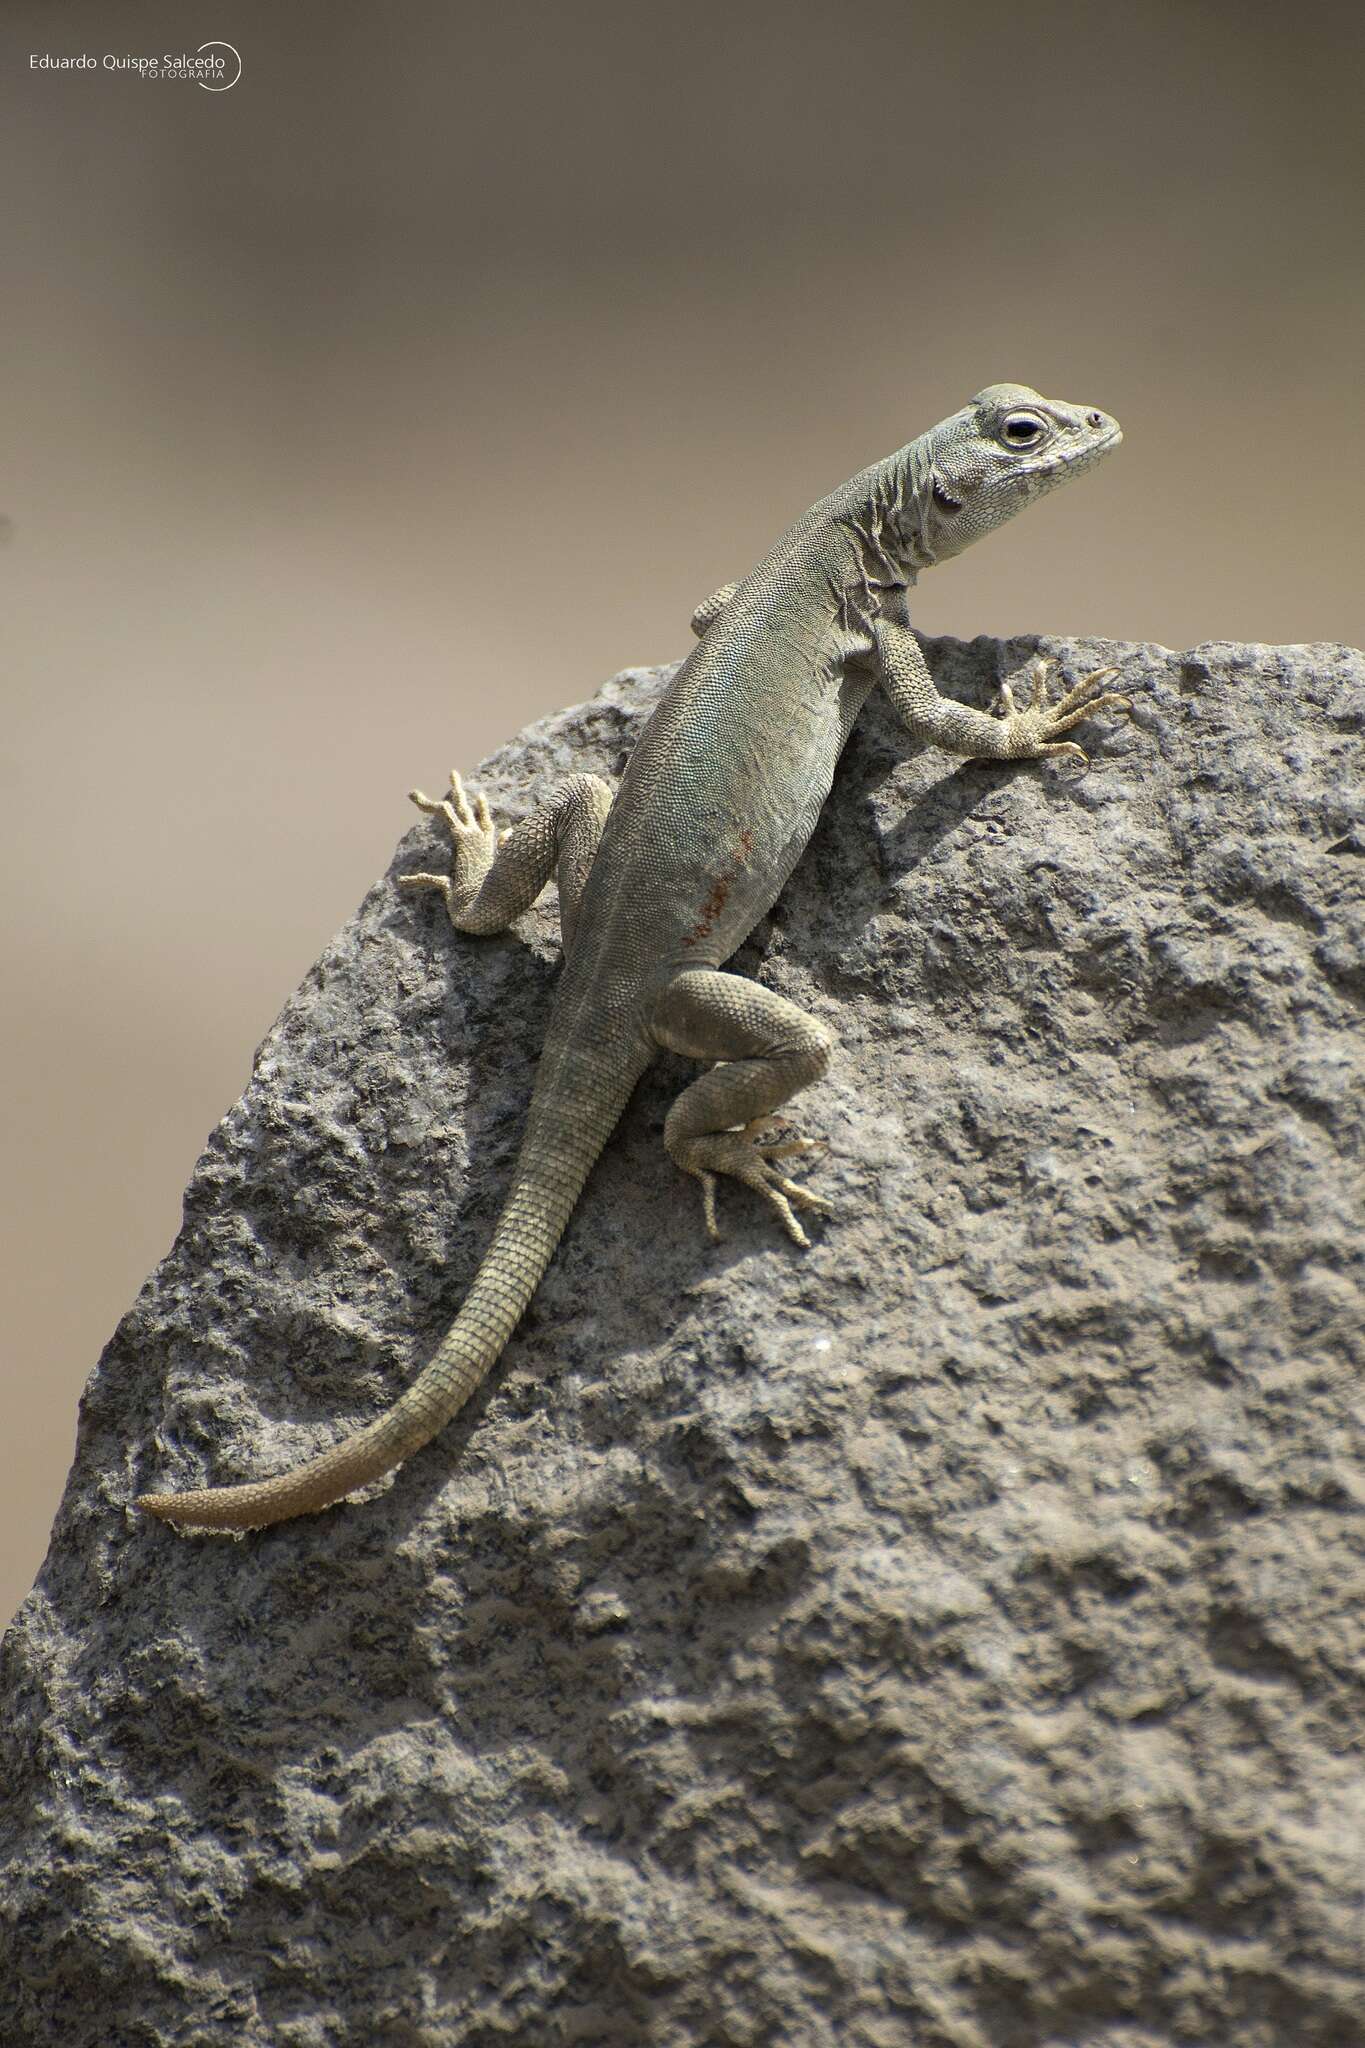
{"x": 1096, "y": 419}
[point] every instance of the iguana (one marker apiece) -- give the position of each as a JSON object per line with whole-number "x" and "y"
{"x": 660, "y": 883}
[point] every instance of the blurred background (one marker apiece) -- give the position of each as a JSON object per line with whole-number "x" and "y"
{"x": 434, "y": 372}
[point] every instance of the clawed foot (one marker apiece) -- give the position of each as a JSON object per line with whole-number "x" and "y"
{"x": 1036, "y": 727}
{"x": 474, "y": 836}
{"x": 739, "y": 1154}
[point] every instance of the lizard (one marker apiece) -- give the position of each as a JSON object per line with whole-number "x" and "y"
{"x": 661, "y": 881}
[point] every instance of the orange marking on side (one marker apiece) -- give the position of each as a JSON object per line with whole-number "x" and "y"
{"x": 719, "y": 893}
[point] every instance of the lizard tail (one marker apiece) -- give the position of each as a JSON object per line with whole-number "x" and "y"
{"x": 549, "y": 1176}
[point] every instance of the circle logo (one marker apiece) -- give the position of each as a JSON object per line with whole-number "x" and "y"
{"x": 228, "y": 84}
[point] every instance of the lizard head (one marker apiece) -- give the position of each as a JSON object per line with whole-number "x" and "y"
{"x": 1006, "y": 447}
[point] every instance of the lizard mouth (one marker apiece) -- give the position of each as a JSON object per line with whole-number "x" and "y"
{"x": 1111, "y": 439}
{"x": 1082, "y": 457}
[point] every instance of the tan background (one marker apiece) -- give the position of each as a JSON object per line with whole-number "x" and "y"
{"x": 435, "y": 372}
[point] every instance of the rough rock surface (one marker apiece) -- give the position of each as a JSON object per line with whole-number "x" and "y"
{"x": 948, "y": 1637}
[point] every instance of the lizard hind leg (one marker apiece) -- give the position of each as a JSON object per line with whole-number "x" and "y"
{"x": 765, "y": 1049}
{"x": 496, "y": 874}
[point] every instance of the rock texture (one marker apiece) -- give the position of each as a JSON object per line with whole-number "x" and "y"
{"x": 949, "y": 1637}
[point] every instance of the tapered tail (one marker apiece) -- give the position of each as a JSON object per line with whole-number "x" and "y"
{"x": 549, "y": 1176}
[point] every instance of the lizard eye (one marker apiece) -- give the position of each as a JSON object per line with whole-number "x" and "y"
{"x": 1021, "y": 430}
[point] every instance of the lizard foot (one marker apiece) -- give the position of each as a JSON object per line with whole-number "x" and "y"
{"x": 1036, "y": 727}
{"x": 474, "y": 836}
{"x": 739, "y": 1154}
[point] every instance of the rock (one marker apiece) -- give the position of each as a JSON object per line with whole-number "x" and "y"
{"x": 951, "y": 1635}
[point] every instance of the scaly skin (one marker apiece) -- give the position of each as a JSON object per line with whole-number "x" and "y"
{"x": 658, "y": 887}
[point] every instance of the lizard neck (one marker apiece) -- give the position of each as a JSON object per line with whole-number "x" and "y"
{"x": 904, "y": 495}
{"x": 880, "y": 517}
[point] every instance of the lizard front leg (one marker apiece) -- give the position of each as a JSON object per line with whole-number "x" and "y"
{"x": 767, "y": 1049}
{"x": 1017, "y": 732}
{"x": 495, "y": 875}
{"x": 710, "y": 610}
